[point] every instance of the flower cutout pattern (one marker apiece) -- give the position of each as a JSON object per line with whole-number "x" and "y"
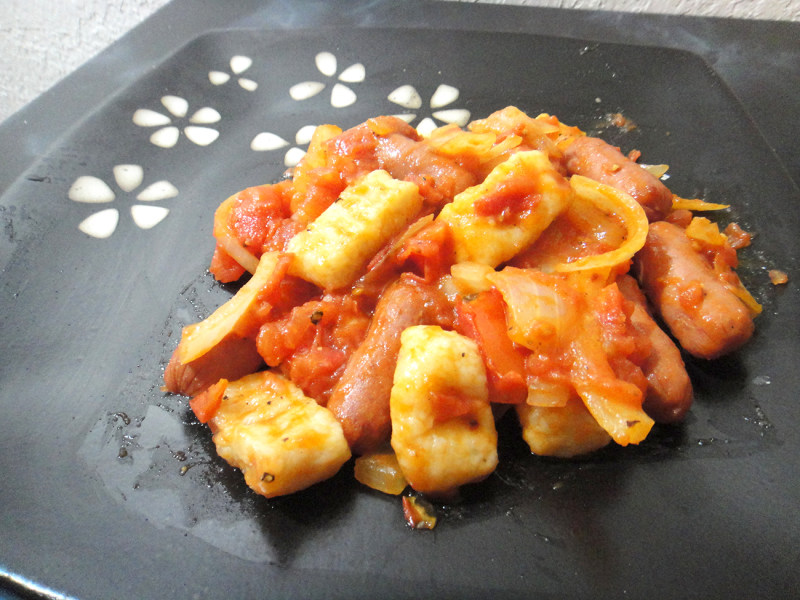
{"x": 267, "y": 141}
{"x": 407, "y": 97}
{"x": 341, "y": 95}
{"x": 88, "y": 189}
{"x": 239, "y": 64}
{"x": 168, "y": 132}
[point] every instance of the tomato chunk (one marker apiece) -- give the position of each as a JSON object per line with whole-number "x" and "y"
{"x": 205, "y": 404}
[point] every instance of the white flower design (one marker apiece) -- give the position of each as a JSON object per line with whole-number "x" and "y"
{"x": 88, "y": 189}
{"x": 167, "y": 134}
{"x": 239, "y": 64}
{"x": 341, "y": 95}
{"x": 267, "y": 141}
{"x": 407, "y": 97}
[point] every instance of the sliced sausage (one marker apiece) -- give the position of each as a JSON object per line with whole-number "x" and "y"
{"x": 669, "y": 389}
{"x": 705, "y": 316}
{"x": 438, "y": 177}
{"x": 599, "y": 160}
{"x": 232, "y": 358}
{"x": 360, "y": 399}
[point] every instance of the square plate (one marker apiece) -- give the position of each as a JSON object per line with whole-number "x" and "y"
{"x": 112, "y": 489}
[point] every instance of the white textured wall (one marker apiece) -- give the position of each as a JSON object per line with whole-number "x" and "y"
{"x": 42, "y": 41}
{"x": 784, "y": 10}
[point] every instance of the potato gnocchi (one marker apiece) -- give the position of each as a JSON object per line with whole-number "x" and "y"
{"x": 443, "y": 429}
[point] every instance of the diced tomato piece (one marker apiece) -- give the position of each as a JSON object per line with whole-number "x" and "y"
{"x": 315, "y": 371}
{"x": 267, "y": 297}
{"x": 312, "y": 342}
{"x": 509, "y": 199}
{"x": 205, "y": 404}
{"x": 450, "y": 405}
{"x": 224, "y": 268}
{"x": 321, "y": 187}
{"x": 258, "y": 214}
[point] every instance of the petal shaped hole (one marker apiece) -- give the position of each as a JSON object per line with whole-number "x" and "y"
{"x": 240, "y": 64}
{"x": 144, "y": 117}
{"x": 267, "y": 141}
{"x": 426, "y": 126}
{"x": 101, "y": 224}
{"x": 248, "y": 84}
{"x": 326, "y": 63}
{"x": 444, "y": 95}
{"x": 176, "y": 105}
{"x": 128, "y": 177}
{"x": 406, "y": 96}
{"x": 455, "y": 116}
{"x": 353, "y": 74}
{"x": 160, "y": 190}
{"x": 146, "y": 217}
{"x": 218, "y": 77}
{"x": 304, "y": 134}
{"x": 166, "y": 137}
{"x": 407, "y": 117}
{"x": 205, "y": 116}
{"x": 293, "y": 156}
{"x": 305, "y": 90}
{"x": 90, "y": 190}
{"x": 202, "y": 136}
{"x": 342, "y": 96}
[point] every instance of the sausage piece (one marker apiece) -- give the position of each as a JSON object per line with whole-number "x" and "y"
{"x": 360, "y": 399}
{"x": 232, "y": 358}
{"x": 706, "y": 317}
{"x": 599, "y": 160}
{"x": 669, "y": 388}
{"x": 438, "y": 177}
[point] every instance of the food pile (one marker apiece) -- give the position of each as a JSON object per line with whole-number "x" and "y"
{"x": 405, "y": 293}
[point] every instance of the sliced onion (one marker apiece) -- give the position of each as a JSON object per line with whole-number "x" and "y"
{"x": 547, "y": 393}
{"x": 537, "y": 314}
{"x": 705, "y": 231}
{"x": 695, "y": 204}
{"x": 199, "y": 338}
{"x": 657, "y": 171}
{"x": 747, "y": 299}
{"x": 611, "y": 201}
{"x": 625, "y": 422}
{"x": 471, "y": 277}
{"x": 380, "y": 472}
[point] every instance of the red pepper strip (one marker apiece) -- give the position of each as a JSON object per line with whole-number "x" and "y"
{"x": 484, "y": 321}
{"x": 429, "y": 251}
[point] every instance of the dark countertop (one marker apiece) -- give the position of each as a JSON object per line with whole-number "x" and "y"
{"x": 759, "y": 60}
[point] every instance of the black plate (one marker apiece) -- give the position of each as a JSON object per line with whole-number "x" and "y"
{"x": 111, "y": 489}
